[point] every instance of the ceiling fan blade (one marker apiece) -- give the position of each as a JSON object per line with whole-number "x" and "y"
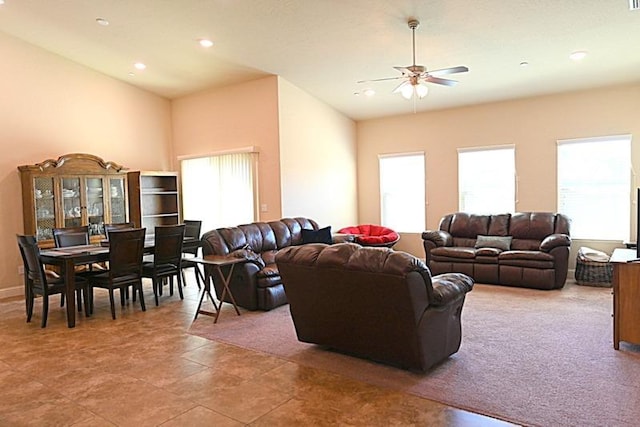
{"x": 440, "y": 81}
{"x": 380, "y": 80}
{"x": 400, "y": 86}
{"x": 452, "y": 70}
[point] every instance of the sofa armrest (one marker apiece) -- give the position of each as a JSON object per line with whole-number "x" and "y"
{"x": 449, "y": 287}
{"x": 554, "y": 241}
{"x": 438, "y": 237}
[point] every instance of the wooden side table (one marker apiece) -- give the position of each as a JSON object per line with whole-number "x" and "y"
{"x": 217, "y": 262}
{"x": 626, "y": 297}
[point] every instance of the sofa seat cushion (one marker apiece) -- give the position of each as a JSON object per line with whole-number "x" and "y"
{"x": 268, "y": 276}
{"x": 448, "y": 252}
{"x": 488, "y": 252}
{"x": 533, "y": 259}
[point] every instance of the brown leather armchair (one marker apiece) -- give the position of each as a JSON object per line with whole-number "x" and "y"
{"x": 374, "y": 303}
{"x": 527, "y": 249}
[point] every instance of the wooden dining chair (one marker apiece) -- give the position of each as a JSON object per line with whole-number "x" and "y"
{"x": 119, "y": 226}
{"x": 167, "y": 258}
{"x": 71, "y": 236}
{"x": 39, "y": 283}
{"x": 126, "y": 248}
{"x": 76, "y": 236}
{"x": 190, "y": 249}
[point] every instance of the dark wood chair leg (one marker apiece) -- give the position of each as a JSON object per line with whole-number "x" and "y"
{"x": 79, "y": 301}
{"x": 155, "y": 290}
{"x": 85, "y": 294}
{"x": 30, "y": 303}
{"x": 139, "y": 287}
{"x": 179, "y": 278}
{"x": 45, "y": 310}
{"x": 113, "y": 305}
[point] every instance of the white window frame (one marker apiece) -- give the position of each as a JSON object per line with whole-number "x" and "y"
{"x": 406, "y": 192}
{"x": 613, "y": 211}
{"x": 214, "y": 209}
{"x": 489, "y": 184}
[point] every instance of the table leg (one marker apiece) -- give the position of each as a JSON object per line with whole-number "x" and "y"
{"x": 70, "y": 282}
{"x": 206, "y": 291}
{"x": 226, "y": 291}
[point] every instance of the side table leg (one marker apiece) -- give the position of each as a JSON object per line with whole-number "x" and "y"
{"x": 206, "y": 291}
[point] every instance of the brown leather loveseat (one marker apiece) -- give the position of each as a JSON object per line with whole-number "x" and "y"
{"x": 374, "y": 303}
{"x": 255, "y": 284}
{"x": 527, "y": 249}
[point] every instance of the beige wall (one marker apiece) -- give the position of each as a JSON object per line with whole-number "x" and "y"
{"x": 234, "y": 117}
{"x": 533, "y": 125}
{"x": 49, "y": 107}
{"x": 317, "y": 159}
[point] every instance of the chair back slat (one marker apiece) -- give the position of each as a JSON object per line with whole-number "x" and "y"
{"x": 168, "y": 244}
{"x": 126, "y": 249}
{"x": 71, "y": 236}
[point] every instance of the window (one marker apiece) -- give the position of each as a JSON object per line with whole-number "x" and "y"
{"x": 594, "y": 186}
{"x": 220, "y": 189}
{"x": 402, "y": 192}
{"x": 487, "y": 180}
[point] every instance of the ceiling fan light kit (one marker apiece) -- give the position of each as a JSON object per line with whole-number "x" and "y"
{"x": 415, "y": 76}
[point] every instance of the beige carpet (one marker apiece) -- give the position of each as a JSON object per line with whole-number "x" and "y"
{"x": 530, "y": 357}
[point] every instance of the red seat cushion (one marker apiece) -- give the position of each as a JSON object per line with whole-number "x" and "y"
{"x": 371, "y": 234}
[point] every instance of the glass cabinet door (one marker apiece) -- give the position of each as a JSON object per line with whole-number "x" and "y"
{"x": 118, "y": 201}
{"x": 95, "y": 205}
{"x": 45, "y": 207}
{"x": 71, "y": 202}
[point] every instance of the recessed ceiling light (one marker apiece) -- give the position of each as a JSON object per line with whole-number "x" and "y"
{"x": 205, "y": 42}
{"x": 524, "y": 64}
{"x": 1, "y": 1}
{"x": 369, "y": 92}
{"x": 102, "y": 21}
{"x": 139, "y": 66}
{"x": 578, "y": 55}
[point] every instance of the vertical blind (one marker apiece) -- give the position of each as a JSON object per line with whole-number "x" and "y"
{"x": 594, "y": 186}
{"x": 486, "y": 180}
{"x": 402, "y": 192}
{"x": 219, "y": 190}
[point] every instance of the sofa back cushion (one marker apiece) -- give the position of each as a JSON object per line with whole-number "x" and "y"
{"x": 499, "y": 225}
{"x": 260, "y": 237}
{"x": 469, "y": 225}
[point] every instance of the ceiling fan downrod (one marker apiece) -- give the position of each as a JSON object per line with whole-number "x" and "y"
{"x": 413, "y": 24}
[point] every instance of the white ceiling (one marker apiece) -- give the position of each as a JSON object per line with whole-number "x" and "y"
{"x": 325, "y": 46}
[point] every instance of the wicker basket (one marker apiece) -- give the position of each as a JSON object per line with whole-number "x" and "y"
{"x": 593, "y": 273}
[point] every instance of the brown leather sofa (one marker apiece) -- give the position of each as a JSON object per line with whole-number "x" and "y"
{"x": 255, "y": 284}
{"x": 374, "y": 303}
{"x": 527, "y": 249}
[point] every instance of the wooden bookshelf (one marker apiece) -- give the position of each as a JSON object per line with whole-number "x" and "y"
{"x": 154, "y": 199}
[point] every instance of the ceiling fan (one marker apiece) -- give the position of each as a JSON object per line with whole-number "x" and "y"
{"x": 415, "y": 76}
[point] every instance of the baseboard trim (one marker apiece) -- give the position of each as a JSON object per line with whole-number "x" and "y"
{"x": 16, "y": 291}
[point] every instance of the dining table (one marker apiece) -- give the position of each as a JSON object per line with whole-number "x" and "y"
{"x": 68, "y": 257}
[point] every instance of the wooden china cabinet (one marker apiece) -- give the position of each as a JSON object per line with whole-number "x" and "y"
{"x": 74, "y": 190}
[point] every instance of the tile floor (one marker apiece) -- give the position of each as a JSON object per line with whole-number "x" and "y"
{"x": 145, "y": 369}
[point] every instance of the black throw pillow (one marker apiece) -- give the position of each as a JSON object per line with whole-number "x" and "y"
{"x": 322, "y": 235}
